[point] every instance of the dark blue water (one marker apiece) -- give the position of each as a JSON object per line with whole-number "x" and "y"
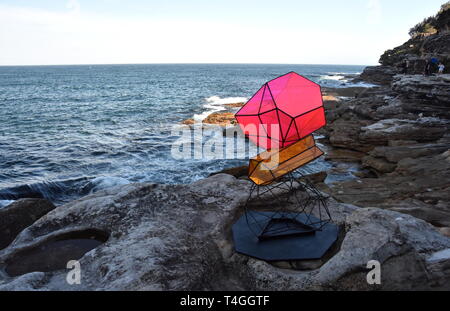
{"x": 66, "y": 131}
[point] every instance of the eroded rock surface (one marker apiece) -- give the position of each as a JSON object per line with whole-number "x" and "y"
{"x": 177, "y": 237}
{"x": 405, "y": 148}
{"x": 19, "y": 215}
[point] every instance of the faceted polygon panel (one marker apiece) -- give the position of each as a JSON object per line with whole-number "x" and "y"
{"x": 270, "y": 165}
{"x": 310, "y": 122}
{"x": 283, "y": 111}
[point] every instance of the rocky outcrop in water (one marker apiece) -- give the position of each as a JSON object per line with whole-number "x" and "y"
{"x": 177, "y": 237}
{"x": 379, "y": 74}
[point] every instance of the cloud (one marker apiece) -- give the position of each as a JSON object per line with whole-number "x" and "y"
{"x": 36, "y": 36}
{"x": 73, "y": 6}
{"x": 375, "y": 12}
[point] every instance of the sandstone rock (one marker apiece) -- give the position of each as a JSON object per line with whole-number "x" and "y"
{"x": 344, "y": 134}
{"x": 177, "y": 237}
{"x": 335, "y": 93}
{"x": 394, "y": 154}
{"x": 445, "y": 231}
{"x": 379, "y": 74}
{"x": 188, "y": 122}
{"x": 160, "y": 236}
{"x": 395, "y": 240}
{"x": 344, "y": 155}
{"x": 435, "y": 89}
{"x": 220, "y": 118}
{"x": 420, "y": 187}
{"x": 429, "y": 95}
{"x": 19, "y": 215}
{"x": 217, "y": 118}
{"x": 234, "y": 105}
{"x": 330, "y": 98}
{"x": 422, "y": 130}
{"x": 378, "y": 164}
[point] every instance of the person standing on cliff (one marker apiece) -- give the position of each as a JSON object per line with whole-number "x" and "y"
{"x": 441, "y": 68}
{"x": 405, "y": 67}
{"x": 427, "y": 68}
{"x": 407, "y": 64}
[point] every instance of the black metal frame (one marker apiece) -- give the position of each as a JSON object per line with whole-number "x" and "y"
{"x": 283, "y": 223}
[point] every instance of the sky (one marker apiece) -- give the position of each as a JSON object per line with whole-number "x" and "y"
{"x": 57, "y": 32}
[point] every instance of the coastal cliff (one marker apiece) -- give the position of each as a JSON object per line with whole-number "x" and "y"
{"x": 400, "y": 130}
{"x": 430, "y": 38}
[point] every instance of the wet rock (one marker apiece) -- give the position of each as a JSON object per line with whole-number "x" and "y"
{"x": 19, "y": 215}
{"x": 379, "y": 74}
{"x": 317, "y": 177}
{"x": 54, "y": 254}
{"x": 378, "y": 164}
{"x": 237, "y": 172}
{"x": 188, "y": 122}
{"x": 221, "y": 118}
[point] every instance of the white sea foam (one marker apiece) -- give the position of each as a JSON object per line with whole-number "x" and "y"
{"x": 216, "y": 104}
{"x": 345, "y": 73}
{"x": 4, "y": 203}
{"x": 333, "y": 77}
{"x": 105, "y": 182}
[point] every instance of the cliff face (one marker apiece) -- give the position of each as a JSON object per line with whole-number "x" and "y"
{"x": 430, "y": 38}
{"x": 402, "y": 127}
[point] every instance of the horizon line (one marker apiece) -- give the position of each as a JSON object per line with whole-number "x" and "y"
{"x": 175, "y": 63}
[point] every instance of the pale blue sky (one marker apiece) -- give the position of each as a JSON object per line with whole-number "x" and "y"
{"x": 201, "y": 31}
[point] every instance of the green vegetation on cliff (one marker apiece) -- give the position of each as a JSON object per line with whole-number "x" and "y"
{"x": 430, "y": 38}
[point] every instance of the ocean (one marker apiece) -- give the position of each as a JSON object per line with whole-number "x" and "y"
{"x": 67, "y": 131}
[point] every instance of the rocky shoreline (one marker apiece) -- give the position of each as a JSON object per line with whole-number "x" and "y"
{"x": 178, "y": 237}
{"x": 395, "y": 210}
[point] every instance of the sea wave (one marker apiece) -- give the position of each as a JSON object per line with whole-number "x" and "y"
{"x": 4, "y": 203}
{"x": 104, "y": 182}
{"x": 60, "y": 191}
{"x": 341, "y": 80}
{"x": 333, "y": 77}
{"x": 216, "y": 104}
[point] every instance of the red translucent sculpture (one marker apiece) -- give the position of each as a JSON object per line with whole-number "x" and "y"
{"x": 282, "y": 112}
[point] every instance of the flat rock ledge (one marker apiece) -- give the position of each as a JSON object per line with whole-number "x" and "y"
{"x": 178, "y": 237}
